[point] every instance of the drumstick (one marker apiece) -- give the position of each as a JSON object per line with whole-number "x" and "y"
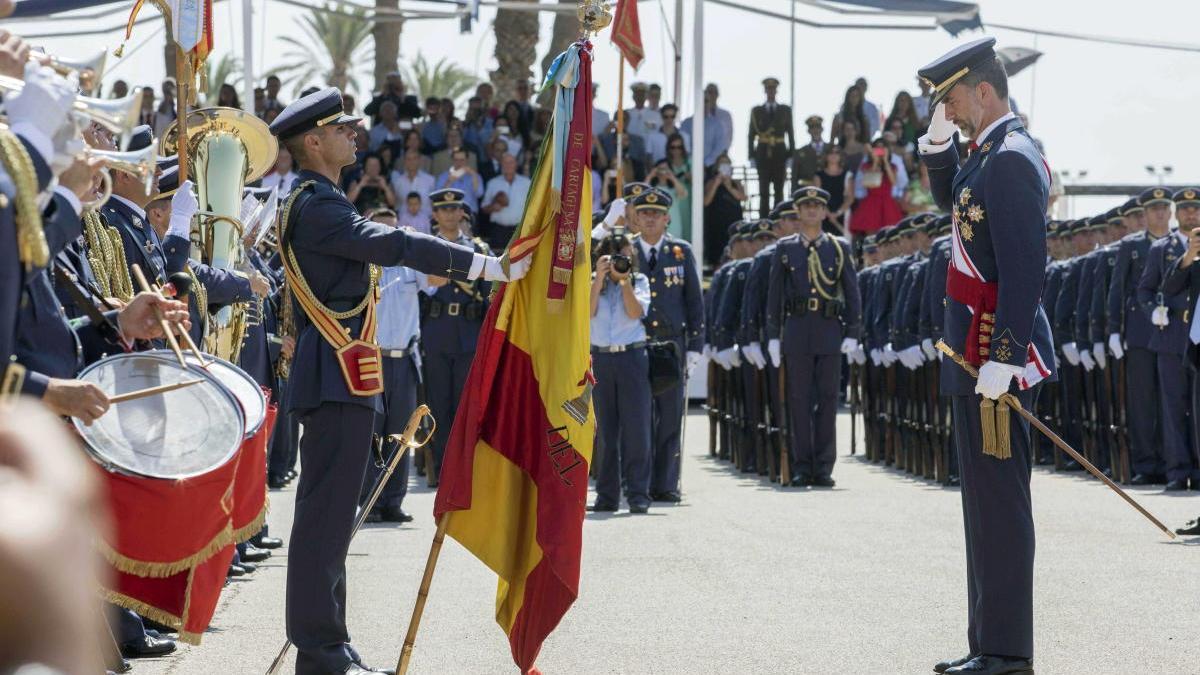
{"x": 162, "y": 321}
{"x": 187, "y": 337}
{"x": 150, "y": 391}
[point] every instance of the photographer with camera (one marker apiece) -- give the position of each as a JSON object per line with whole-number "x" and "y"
{"x": 620, "y": 299}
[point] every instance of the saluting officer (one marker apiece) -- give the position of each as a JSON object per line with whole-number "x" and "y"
{"x": 676, "y": 314}
{"x": 772, "y": 141}
{"x": 450, "y": 325}
{"x": 329, "y": 253}
{"x": 995, "y": 321}
{"x": 813, "y": 317}
{"x": 1130, "y": 333}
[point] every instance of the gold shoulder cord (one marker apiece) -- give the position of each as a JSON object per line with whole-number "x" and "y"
{"x": 106, "y": 254}
{"x": 31, "y": 239}
{"x": 816, "y": 275}
{"x": 201, "y": 294}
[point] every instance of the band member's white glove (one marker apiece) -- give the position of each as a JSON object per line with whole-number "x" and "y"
{"x": 889, "y": 355}
{"x": 912, "y": 357}
{"x": 1100, "y": 356}
{"x": 774, "y": 351}
{"x": 183, "y": 206}
{"x": 928, "y": 348}
{"x": 994, "y": 378}
{"x": 940, "y": 129}
{"x": 1085, "y": 357}
{"x": 877, "y": 357}
{"x": 849, "y": 345}
{"x": 1161, "y": 316}
{"x": 753, "y": 353}
{"x": 39, "y": 110}
{"x": 859, "y": 356}
{"x": 728, "y": 358}
{"x": 1114, "y": 346}
{"x": 1071, "y": 353}
{"x": 494, "y": 271}
{"x": 693, "y": 359}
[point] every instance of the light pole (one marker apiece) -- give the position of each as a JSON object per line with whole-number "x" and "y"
{"x": 1160, "y": 173}
{"x": 1072, "y": 178}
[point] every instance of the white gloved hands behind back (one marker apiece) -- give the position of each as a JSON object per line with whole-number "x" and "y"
{"x": 773, "y": 348}
{"x": 1114, "y": 346}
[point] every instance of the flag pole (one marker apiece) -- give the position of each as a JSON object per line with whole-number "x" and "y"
{"x": 183, "y": 87}
{"x": 414, "y": 623}
{"x": 621, "y": 127}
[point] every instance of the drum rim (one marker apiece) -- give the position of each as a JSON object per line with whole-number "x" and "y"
{"x": 112, "y": 466}
{"x": 192, "y": 365}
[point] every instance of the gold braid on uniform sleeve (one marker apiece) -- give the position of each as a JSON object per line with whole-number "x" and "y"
{"x": 106, "y": 254}
{"x": 31, "y": 239}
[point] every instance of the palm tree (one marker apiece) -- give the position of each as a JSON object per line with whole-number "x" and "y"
{"x": 516, "y": 49}
{"x": 335, "y": 40}
{"x": 387, "y": 41}
{"x": 566, "y": 31}
{"x": 441, "y": 79}
{"x": 228, "y": 70}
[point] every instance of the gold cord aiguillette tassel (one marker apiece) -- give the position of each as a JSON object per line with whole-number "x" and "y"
{"x": 1003, "y": 435}
{"x": 32, "y": 248}
{"x": 987, "y": 424}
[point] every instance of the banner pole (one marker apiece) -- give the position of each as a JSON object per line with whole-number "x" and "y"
{"x": 621, "y": 126}
{"x": 414, "y": 623}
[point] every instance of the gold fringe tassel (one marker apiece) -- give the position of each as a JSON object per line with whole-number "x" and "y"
{"x": 157, "y": 570}
{"x": 247, "y": 531}
{"x": 192, "y": 639}
{"x": 148, "y": 611}
{"x": 561, "y": 276}
{"x": 1003, "y": 433}
{"x": 987, "y": 424}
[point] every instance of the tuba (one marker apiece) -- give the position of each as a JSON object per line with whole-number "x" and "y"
{"x": 227, "y": 148}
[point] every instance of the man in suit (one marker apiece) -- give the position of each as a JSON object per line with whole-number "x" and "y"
{"x": 994, "y": 319}
{"x": 771, "y": 143}
{"x": 806, "y": 161}
{"x": 328, "y": 251}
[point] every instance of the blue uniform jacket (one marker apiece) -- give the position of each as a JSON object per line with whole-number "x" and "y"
{"x": 142, "y": 247}
{"x": 729, "y": 312}
{"x": 1055, "y": 271}
{"x": 754, "y": 316}
{"x": 12, "y": 271}
{"x": 811, "y": 332}
{"x": 905, "y": 325}
{"x": 1101, "y": 283}
{"x": 455, "y": 333}
{"x": 933, "y": 298}
{"x": 868, "y": 286}
{"x": 716, "y": 291}
{"x": 1082, "y": 315}
{"x": 676, "y": 297}
{"x": 1126, "y": 316}
{"x": 1164, "y": 254}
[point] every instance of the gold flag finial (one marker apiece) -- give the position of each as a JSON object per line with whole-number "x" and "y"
{"x": 593, "y": 17}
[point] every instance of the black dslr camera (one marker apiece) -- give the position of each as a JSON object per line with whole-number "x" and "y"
{"x": 612, "y": 245}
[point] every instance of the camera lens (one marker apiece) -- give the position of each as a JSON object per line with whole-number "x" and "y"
{"x": 621, "y": 263}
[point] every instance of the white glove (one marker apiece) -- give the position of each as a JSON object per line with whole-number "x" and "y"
{"x": 994, "y": 378}
{"x": 940, "y": 128}
{"x": 693, "y": 360}
{"x": 754, "y": 355}
{"x": 849, "y": 345}
{"x": 1114, "y": 346}
{"x": 707, "y": 352}
{"x": 1099, "y": 354}
{"x": 184, "y": 205}
{"x": 728, "y": 358}
{"x": 927, "y": 347}
{"x": 773, "y": 350}
{"x": 877, "y": 357}
{"x": 1085, "y": 357}
{"x": 493, "y": 271}
{"x": 735, "y": 358}
{"x": 859, "y": 356}
{"x": 1071, "y": 353}
{"x": 40, "y": 109}
{"x": 1160, "y": 317}
{"x": 912, "y": 357}
{"x": 67, "y": 146}
{"x": 889, "y": 355}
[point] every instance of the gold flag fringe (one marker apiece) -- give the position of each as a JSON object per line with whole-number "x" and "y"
{"x": 247, "y": 531}
{"x": 148, "y": 611}
{"x": 158, "y": 570}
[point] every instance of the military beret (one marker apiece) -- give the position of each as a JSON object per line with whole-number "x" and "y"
{"x": 318, "y": 109}
{"x": 1079, "y": 226}
{"x": 1154, "y": 195}
{"x": 810, "y": 193}
{"x": 652, "y": 200}
{"x": 634, "y": 189}
{"x": 1188, "y": 195}
{"x": 1053, "y": 229}
{"x": 446, "y": 198}
{"x": 943, "y": 73}
{"x": 771, "y": 82}
{"x": 1130, "y": 206}
{"x": 140, "y": 138}
{"x": 813, "y": 121}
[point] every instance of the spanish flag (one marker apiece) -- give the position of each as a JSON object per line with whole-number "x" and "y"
{"x": 514, "y": 479}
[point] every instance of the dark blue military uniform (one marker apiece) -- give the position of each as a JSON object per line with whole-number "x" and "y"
{"x": 142, "y": 246}
{"x": 333, "y": 247}
{"x": 1187, "y": 280}
{"x": 998, "y": 198}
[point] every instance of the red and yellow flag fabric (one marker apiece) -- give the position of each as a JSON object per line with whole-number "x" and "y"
{"x": 627, "y": 32}
{"x": 514, "y": 479}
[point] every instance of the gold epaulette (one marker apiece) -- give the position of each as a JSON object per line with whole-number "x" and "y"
{"x": 32, "y": 248}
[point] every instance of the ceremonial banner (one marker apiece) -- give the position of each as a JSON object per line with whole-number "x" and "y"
{"x": 627, "y": 32}
{"x": 514, "y": 478}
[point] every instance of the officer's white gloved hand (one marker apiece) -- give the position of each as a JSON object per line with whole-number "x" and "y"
{"x": 40, "y": 109}
{"x": 693, "y": 360}
{"x": 753, "y": 354}
{"x": 1072, "y": 354}
{"x": 494, "y": 271}
{"x": 773, "y": 350}
{"x": 1085, "y": 357}
{"x": 1161, "y": 316}
{"x": 928, "y": 348}
{"x": 616, "y": 211}
{"x": 735, "y": 357}
{"x": 877, "y": 357}
{"x": 889, "y": 355}
{"x": 849, "y": 345}
{"x": 859, "y": 356}
{"x": 725, "y": 357}
{"x": 912, "y": 357}
{"x": 1099, "y": 354}
{"x": 994, "y": 378}
{"x": 707, "y": 351}
{"x": 940, "y": 128}
{"x": 184, "y": 205}
{"x": 1114, "y": 346}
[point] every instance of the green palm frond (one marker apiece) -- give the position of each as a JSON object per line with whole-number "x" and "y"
{"x": 333, "y": 43}
{"x": 442, "y": 79}
{"x": 227, "y": 70}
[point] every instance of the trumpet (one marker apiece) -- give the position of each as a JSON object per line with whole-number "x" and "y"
{"x": 141, "y": 163}
{"x": 118, "y": 115}
{"x": 88, "y": 72}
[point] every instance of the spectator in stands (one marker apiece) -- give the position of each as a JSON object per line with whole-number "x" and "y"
{"x": 504, "y": 202}
{"x": 600, "y": 118}
{"x": 640, "y": 120}
{"x": 260, "y": 101}
{"x": 852, "y": 145}
{"x": 486, "y": 93}
{"x": 411, "y": 178}
{"x": 227, "y": 97}
{"x": 387, "y": 130}
{"x": 407, "y": 107}
{"x": 878, "y": 184}
{"x": 656, "y": 141}
{"x": 119, "y": 89}
{"x": 371, "y": 191}
{"x": 807, "y": 158}
{"x": 921, "y": 103}
{"x": 273, "y": 102}
{"x": 489, "y": 166}
{"x": 874, "y": 117}
{"x": 718, "y": 127}
{"x": 654, "y": 96}
{"x": 905, "y": 114}
{"x": 462, "y": 176}
{"x": 415, "y": 214}
{"x": 147, "y": 114}
{"x": 166, "y": 112}
{"x": 283, "y": 174}
{"x": 681, "y": 165}
{"x": 663, "y": 178}
{"x": 918, "y": 197}
{"x": 723, "y": 197}
{"x": 832, "y": 178}
{"x": 541, "y": 128}
{"x": 348, "y": 104}
{"x": 477, "y": 126}
{"x": 437, "y": 124}
{"x": 511, "y": 129}
{"x": 524, "y": 102}
{"x": 443, "y": 159}
{"x": 852, "y": 110}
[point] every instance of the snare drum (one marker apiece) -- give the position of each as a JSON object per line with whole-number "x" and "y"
{"x": 177, "y": 434}
{"x": 243, "y": 387}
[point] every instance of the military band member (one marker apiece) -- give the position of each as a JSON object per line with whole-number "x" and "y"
{"x": 995, "y": 320}
{"x": 676, "y": 314}
{"x": 813, "y": 317}
{"x": 329, "y": 254}
{"x": 1130, "y": 332}
{"x": 772, "y": 141}
{"x": 126, "y": 212}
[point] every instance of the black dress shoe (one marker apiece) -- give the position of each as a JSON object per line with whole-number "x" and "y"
{"x": 291, "y": 474}
{"x": 269, "y": 543}
{"x": 1176, "y": 485}
{"x": 147, "y": 647}
{"x": 953, "y": 481}
{"x": 824, "y": 481}
{"x": 951, "y": 663}
{"x": 639, "y": 507}
{"x": 248, "y": 567}
{"x": 357, "y": 669}
{"x": 123, "y": 667}
{"x": 1071, "y": 465}
{"x": 395, "y": 514}
{"x": 1192, "y": 527}
{"x": 254, "y": 554}
{"x": 375, "y": 516}
{"x": 671, "y": 497}
{"x": 801, "y": 481}
{"x": 602, "y": 507}
{"x": 236, "y": 570}
{"x": 276, "y": 482}
{"x": 993, "y": 665}
{"x": 152, "y": 625}
{"x": 1147, "y": 479}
